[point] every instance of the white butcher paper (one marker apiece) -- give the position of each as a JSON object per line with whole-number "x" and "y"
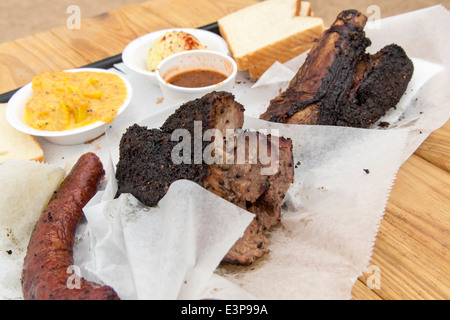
{"x": 166, "y": 252}
{"x": 343, "y": 177}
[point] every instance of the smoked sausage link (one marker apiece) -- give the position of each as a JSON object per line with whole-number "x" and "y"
{"x": 48, "y": 265}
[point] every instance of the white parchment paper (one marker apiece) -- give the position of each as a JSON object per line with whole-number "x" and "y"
{"x": 330, "y": 220}
{"x": 167, "y": 252}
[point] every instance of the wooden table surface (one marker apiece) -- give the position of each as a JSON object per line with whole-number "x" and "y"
{"x": 412, "y": 246}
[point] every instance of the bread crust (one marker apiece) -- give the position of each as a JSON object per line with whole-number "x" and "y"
{"x": 285, "y": 46}
{"x": 12, "y": 151}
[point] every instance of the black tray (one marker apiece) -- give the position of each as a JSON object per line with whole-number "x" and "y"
{"x": 106, "y": 63}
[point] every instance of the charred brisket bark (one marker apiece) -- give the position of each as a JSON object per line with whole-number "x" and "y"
{"x": 146, "y": 169}
{"x": 218, "y": 110}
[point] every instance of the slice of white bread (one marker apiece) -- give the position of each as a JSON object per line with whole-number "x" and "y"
{"x": 269, "y": 31}
{"x": 26, "y": 188}
{"x": 15, "y": 144}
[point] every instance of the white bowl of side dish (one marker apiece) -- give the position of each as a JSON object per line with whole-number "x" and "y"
{"x": 214, "y": 71}
{"x": 15, "y": 113}
{"x": 134, "y": 54}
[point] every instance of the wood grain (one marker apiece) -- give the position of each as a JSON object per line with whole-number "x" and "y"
{"x": 436, "y": 149}
{"x": 101, "y": 37}
{"x": 361, "y": 291}
{"x": 413, "y": 244}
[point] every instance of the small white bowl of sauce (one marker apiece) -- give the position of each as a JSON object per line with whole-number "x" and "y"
{"x": 188, "y": 75}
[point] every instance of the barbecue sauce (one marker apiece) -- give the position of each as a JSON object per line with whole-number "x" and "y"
{"x": 197, "y": 78}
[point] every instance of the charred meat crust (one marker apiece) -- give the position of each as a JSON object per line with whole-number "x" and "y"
{"x": 146, "y": 169}
{"x": 339, "y": 84}
{"x": 218, "y": 110}
{"x": 381, "y": 80}
{"x": 49, "y": 254}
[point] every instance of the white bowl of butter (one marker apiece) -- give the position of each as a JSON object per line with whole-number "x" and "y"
{"x": 134, "y": 55}
{"x": 16, "y": 113}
